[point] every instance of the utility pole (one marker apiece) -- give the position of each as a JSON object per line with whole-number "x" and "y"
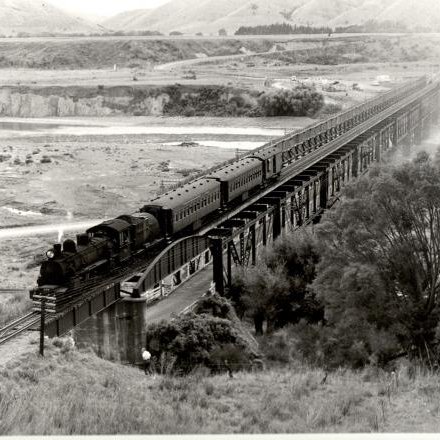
{"x": 43, "y": 317}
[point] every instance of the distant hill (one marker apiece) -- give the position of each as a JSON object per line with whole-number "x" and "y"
{"x": 208, "y": 16}
{"x": 128, "y": 20}
{"x": 414, "y": 13}
{"x": 35, "y": 17}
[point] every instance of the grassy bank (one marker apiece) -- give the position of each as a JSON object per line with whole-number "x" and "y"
{"x": 71, "y": 392}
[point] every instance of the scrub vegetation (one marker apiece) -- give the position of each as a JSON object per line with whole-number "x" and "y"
{"x": 223, "y": 101}
{"x": 70, "y": 392}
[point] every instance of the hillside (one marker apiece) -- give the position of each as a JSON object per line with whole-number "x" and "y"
{"x": 128, "y": 19}
{"x": 72, "y": 392}
{"x": 28, "y": 16}
{"x": 208, "y": 16}
{"x": 413, "y": 12}
{"x": 205, "y": 16}
{"x": 359, "y": 14}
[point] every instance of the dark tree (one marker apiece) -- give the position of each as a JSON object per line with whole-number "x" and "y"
{"x": 379, "y": 276}
{"x": 276, "y": 291}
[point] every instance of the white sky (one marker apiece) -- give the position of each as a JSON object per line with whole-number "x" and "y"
{"x": 104, "y": 7}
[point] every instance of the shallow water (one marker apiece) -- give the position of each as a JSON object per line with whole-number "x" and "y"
{"x": 45, "y": 128}
{"x": 241, "y": 145}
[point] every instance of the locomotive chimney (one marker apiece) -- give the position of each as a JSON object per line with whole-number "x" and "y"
{"x": 57, "y": 250}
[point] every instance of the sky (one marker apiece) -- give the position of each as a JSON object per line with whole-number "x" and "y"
{"x": 104, "y": 8}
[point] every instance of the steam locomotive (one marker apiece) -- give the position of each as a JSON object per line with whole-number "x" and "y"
{"x": 183, "y": 210}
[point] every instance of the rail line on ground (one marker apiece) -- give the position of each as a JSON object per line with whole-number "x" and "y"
{"x": 18, "y": 326}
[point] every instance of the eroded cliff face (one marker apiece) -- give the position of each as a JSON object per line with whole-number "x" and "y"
{"x": 173, "y": 100}
{"x": 27, "y": 103}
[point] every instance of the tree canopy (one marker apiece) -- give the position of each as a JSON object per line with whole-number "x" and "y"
{"x": 276, "y": 291}
{"x": 379, "y": 273}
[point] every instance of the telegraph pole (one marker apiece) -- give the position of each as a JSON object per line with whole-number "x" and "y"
{"x": 43, "y": 313}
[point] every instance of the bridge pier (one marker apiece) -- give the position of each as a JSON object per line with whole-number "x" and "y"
{"x": 217, "y": 264}
{"x": 417, "y": 134}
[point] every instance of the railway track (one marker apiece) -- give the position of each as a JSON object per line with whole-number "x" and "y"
{"x": 14, "y": 328}
{"x": 11, "y": 291}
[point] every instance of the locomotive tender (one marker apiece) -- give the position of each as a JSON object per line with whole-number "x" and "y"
{"x": 184, "y": 209}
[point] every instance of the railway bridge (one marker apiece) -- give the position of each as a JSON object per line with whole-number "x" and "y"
{"x": 317, "y": 162}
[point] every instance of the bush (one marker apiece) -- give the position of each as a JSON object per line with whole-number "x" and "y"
{"x": 207, "y": 101}
{"x": 198, "y": 340}
{"x": 216, "y": 306}
{"x": 302, "y": 101}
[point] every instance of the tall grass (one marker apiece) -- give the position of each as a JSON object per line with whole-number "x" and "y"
{"x": 14, "y": 305}
{"x": 71, "y": 392}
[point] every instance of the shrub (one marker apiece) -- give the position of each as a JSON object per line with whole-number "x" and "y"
{"x": 196, "y": 340}
{"x": 299, "y": 102}
{"x": 208, "y": 101}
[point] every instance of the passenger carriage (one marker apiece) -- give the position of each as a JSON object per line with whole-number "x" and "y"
{"x": 238, "y": 178}
{"x": 185, "y": 207}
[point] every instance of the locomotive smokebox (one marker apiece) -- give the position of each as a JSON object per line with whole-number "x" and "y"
{"x": 82, "y": 239}
{"x": 57, "y": 250}
{"x": 69, "y": 246}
